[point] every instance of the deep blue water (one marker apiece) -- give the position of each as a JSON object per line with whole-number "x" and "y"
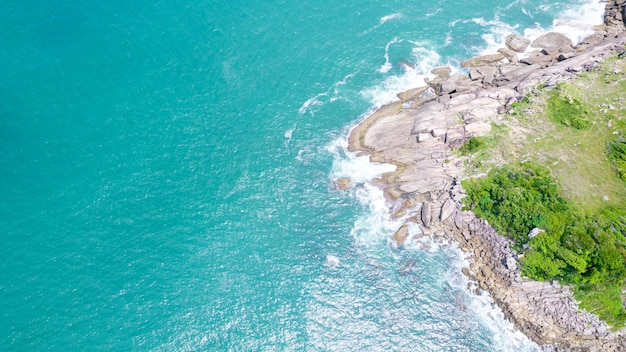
{"x": 167, "y": 167}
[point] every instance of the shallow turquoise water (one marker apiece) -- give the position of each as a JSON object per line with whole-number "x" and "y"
{"x": 166, "y": 179}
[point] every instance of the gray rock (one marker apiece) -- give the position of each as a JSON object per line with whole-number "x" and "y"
{"x": 552, "y": 41}
{"x": 483, "y": 60}
{"x": 541, "y": 60}
{"x": 488, "y": 70}
{"x": 423, "y": 137}
{"x": 517, "y": 74}
{"x": 511, "y": 263}
{"x": 509, "y": 54}
{"x": 447, "y": 209}
{"x": 475, "y": 75}
{"x": 534, "y": 232}
{"x": 516, "y": 43}
{"x": 477, "y": 129}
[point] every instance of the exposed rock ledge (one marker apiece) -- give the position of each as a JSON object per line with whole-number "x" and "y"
{"x": 417, "y": 134}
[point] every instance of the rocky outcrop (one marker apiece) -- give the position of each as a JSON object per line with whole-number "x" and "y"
{"x": 418, "y": 137}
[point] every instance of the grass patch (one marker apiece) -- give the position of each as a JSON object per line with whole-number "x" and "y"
{"x": 565, "y": 107}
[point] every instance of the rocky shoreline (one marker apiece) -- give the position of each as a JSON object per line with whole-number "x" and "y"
{"x": 417, "y": 133}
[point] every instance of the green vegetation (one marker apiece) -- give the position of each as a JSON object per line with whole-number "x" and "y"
{"x": 587, "y": 252}
{"x": 565, "y": 107}
{"x": 472, "y": 145}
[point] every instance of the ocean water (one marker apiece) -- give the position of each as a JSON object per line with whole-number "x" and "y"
{"x": 167, "y": 167}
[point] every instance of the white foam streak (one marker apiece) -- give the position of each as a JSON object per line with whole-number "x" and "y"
{"x": 311, "y": 102}
{"x": 389, "y": 17}
{"x": 316, "y": 101}
{"x": 387, "y": 65}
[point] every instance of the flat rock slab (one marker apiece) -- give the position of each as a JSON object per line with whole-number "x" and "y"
{"x": 483, "y": 60}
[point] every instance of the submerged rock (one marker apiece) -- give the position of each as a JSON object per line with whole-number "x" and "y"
{"x": 343, "y": 183}
{"x": 332, "y": 260}
{"x": 400, "y": 236}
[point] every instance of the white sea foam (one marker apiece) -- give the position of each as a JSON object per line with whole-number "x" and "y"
{"x": 289, "y": 134}
{"x": 374, "y": 224}
{"x": 431, "y": 14}
{"x": 333, "y": 93}
{"x": 308, "y": 105}
{"x": 387, "y": 65}
{"x": 577, "y": 21}
{"x": 424, "y": 59}
{"x": 389, "y": 17}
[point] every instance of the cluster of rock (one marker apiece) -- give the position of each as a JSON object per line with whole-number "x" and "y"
{"x": 417, "y": 134}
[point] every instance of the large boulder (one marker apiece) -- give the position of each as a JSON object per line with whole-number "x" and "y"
{"x": 516, "y": 43}
{"x": 483, "y": 60}
{"x": 553, "y": 41}
{"x": 447, "y": 209}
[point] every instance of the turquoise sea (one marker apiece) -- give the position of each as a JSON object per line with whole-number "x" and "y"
{"x": 167, "y": 167}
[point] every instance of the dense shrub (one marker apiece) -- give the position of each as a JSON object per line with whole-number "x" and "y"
{"x": 472, "y": 145}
